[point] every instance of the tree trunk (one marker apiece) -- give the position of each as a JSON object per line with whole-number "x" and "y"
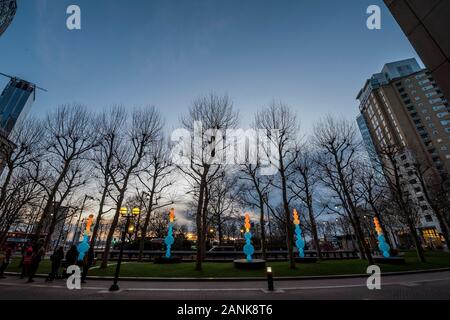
{"x": 444, "y": 227}
{"x": 112, "y": 229}
{"x": 312, "y": 220}
{"x": 145, "y": 226}
{"x": 199, "y": 224}
{"x": 98, "y": 220}
{"x": 204, "y": 221}
{"x": 416, "y": 240}
{"x": 287, "y": 214}
{"x": 263, "y": 227}
{"x": 219, "y": 230}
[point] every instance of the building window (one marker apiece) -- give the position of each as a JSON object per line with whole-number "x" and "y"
{"x": 431, "y": 237}
{"x": 428, "y": 218}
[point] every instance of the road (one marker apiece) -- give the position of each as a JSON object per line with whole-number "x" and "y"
{"x": 434, "y": 286}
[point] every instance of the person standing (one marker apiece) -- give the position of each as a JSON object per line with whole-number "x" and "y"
{"x": 26, "y": 261}
{"x": 88, "y": 262}
{"x": 71, "y": 258}
{"x": 38, "y": 254}
{"x": 57, "y": 257}
{"x": 6, "y": 261}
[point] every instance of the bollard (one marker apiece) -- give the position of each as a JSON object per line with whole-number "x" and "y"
{"x": 269, "y": 279}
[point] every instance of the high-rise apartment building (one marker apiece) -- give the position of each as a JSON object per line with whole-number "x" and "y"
{"x": 7, "y": 11}
{"x": 15, "y": 102}
{"x": 426, "y": 23}
{"x": 402, "y": 106}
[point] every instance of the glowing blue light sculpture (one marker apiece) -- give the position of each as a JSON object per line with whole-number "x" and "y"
{"x": 248, "y": 248}
{"x": 84, "y": 246}
{"x": 169, "y": 240}
{"x": 299, "y": 242}
{"x": 382, "y": 245}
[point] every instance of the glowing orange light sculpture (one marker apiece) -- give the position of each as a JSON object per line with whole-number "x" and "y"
{"x": 248, "y": 248}
{"x": 382, "y": 245}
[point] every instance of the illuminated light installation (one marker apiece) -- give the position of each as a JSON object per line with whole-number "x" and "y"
{"x": 382, "y": 245}
{"x": 248, "y": 248}
{"x": 169, "y": 240}
{"x": 83, "y": 246}
{"x": 299, "y": 242}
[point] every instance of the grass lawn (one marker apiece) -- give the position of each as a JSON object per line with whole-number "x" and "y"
{"x": 226, "y": 269}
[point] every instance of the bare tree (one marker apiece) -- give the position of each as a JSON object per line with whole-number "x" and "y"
{"x": 223, "y": 202}
{"x": 434, "y": 188}
{"x": 70, "y": 135}
{"x": 110, "y": 125}
{"x": 155, "y": 178}
{"x": 373, "y": 190}
{"x": 336, "y": 140}
{"x": 303, "y": 185}
{"x": 208, "y": 116}
{"x": 145, "y": 129}
{"x": 280, "y": 117}
{"x": 27, "y": 138}
{"x": 255, "y": 193}
{"x": 22, "y": 192}
{"x": 401, "y": 191}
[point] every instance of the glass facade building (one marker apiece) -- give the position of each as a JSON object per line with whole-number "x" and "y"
{"x": 15, "y": 102}
{"x": 7, "y": 11}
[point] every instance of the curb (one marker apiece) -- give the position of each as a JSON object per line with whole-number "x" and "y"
{"x": 231, "y": 279}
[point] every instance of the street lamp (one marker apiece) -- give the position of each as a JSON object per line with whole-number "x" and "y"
{"x": 128, "y": 228}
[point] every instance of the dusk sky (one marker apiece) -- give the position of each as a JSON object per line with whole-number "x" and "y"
{"x": 312, "y": 55}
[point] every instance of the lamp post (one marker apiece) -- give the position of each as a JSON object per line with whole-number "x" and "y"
{"x": 125, "y": 214}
